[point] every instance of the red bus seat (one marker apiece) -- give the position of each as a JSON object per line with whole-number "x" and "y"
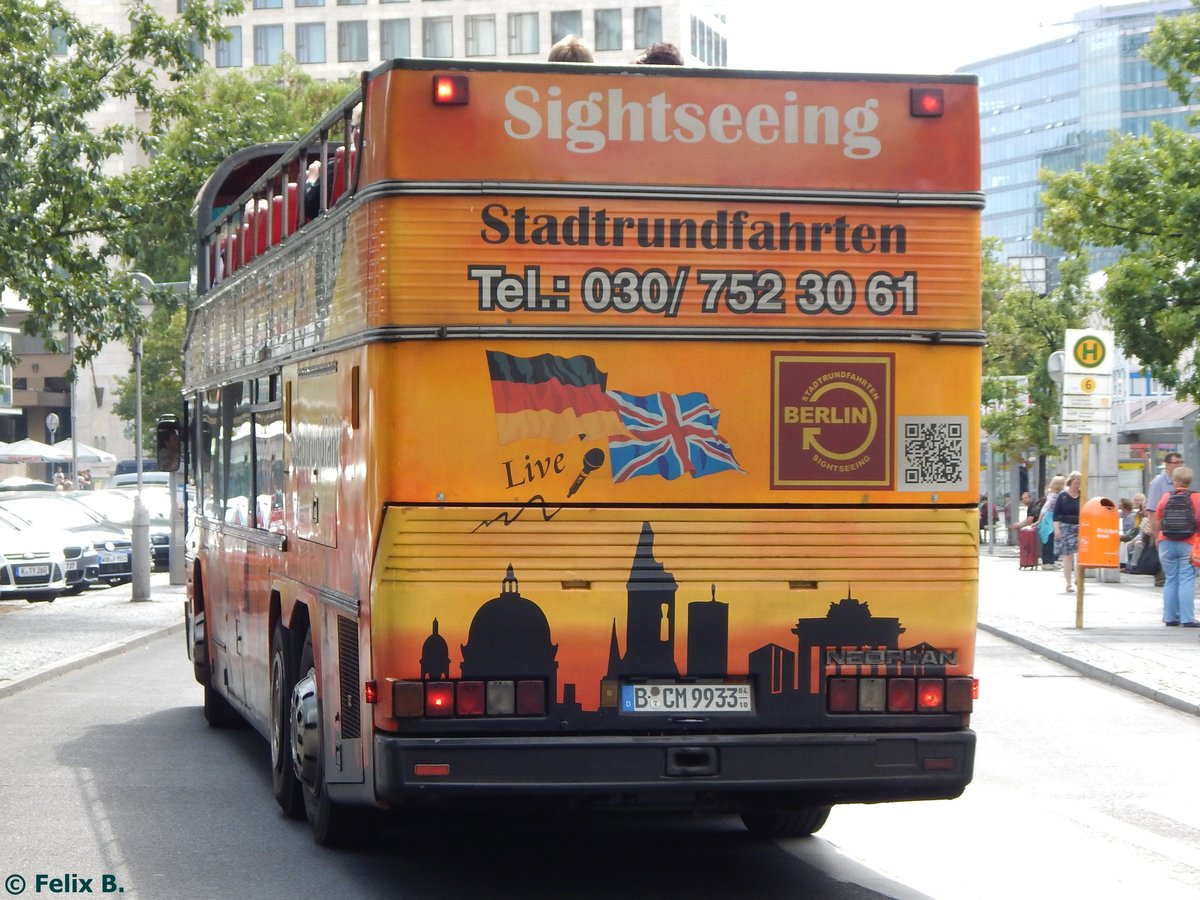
{"x": 339, "y": 176}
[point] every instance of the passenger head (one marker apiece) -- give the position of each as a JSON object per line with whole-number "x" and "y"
{"x": 662, "y": 53}
{"x": 1057, "y": 483}
{"x": 1182, "y": 476}
{"x": 1075, "y": 478}
{"x": 572, "y": 48}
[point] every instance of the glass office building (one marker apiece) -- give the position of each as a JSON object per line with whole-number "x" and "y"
{"x": 1056, "y": 106}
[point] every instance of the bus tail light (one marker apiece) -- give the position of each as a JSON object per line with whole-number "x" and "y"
{"x": 439, "y": 698}
{"x": 467, "y": 698}
{"x": 450, "y": 90}
{"x": 843, "y": 695}
{"x": 930, "y": 694}
{"x": 531, "y": 698}
{"x": 846, "y": 694}
{"x": 902, "y": 695}
{"x": 961, "y": 694}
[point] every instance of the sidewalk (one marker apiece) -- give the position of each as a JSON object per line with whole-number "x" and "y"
{"x": 41, "y": 640}
{"x": 1123, "y": 641}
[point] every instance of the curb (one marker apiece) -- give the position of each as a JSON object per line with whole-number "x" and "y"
{"x": 85, "y": 659}
{"x": 1094, "y": 672}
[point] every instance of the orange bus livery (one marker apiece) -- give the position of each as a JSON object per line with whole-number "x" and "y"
{"x": 594, "y": 435}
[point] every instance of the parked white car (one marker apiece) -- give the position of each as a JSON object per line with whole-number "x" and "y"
{"x": 32, "y": 565}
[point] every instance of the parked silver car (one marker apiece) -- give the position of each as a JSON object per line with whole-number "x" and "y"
{"x": 116, "y": 506}
{"x": 32, "y": 564}
{"x": 53, "y": 510}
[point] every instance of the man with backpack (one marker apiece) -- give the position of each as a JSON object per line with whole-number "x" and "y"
{"x": 1159, "y": 488}
{"x": 1176, "y": 516}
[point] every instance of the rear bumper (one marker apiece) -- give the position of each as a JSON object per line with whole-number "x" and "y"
{"x": 718, "y": 770}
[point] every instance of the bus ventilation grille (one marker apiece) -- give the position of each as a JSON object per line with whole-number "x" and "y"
{"x": 348, "y": 678}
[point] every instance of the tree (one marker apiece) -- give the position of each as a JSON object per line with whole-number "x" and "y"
{"x": 1023, "y": 328}
{"x": 162, "y": 375}
{"x": 1144, "y": 200}
{"x": 221, "y": 113}
{"x": 64, "y": 221}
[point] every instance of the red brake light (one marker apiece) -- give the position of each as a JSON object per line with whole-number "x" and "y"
{"x": 469, "y": 698}
{"x": 531, "y": 698}
{"x": 843, "y": 695}
{"x": 960, "y": 694}
{"x": 371, "y": 692}
{"x": 930, "y": 694}
{"x": 927, "y": 102}
{"x": 439, "y": 698}
{"x": 902, "y": 695}
{"x": 450, "y": 90}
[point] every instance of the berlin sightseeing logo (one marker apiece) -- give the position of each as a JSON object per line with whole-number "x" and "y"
{"x": 832, "y": 420}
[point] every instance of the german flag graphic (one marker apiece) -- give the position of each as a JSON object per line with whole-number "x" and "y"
{"x": 551, "y": 397}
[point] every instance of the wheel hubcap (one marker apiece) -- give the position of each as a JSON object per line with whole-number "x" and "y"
{"x": 306, "y": 732}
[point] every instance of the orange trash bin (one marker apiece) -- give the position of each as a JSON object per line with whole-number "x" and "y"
{"x": 1099, "y": 534}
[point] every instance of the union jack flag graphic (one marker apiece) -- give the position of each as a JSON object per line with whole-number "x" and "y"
{"x": 669, "y": 434}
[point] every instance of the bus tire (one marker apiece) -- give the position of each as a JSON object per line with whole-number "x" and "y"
{"x": 219, "y": 712}
{"x": 284, "y": 783}
{"x": 333, "y": 824}
{"x": 784, "y": 823}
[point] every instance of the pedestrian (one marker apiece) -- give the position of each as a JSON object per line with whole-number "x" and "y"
{"x": 1066, "y": 527}
{"x": 1159, "y": 488}
{"x": 1046, "y": 520}
{"x": 572, "y": 48}
{"x": 1176, "y": 516}
{"x": 1124, "y": 526}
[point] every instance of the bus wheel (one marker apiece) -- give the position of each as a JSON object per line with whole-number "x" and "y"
{"x": 332, "y": 824}
{"x": 284, "y": 782}
{"x": 782, "y": 823}
{"x": 218, "y": 711}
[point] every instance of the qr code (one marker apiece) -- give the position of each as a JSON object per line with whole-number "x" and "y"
{"x": 933, "y": 453}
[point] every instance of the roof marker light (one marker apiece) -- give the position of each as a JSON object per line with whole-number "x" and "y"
{"x": 927, "y": 103}
{"x": 450, "y": 90}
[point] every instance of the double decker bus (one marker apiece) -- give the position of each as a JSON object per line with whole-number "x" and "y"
{"x": 594, "y": 435}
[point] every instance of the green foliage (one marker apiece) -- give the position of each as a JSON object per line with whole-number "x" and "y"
{"x": 63, "y": 219}
{"x": 1023, "y": 329}
{"x": 1144, "y": 200}
{"x": 162, "y": 374}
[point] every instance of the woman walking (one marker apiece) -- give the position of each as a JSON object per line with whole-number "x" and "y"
{"x": 1057, "y": 483}
{"x": 1066, "y": 527}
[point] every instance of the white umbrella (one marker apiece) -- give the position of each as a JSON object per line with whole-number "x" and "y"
{"x": 31, "y": 451}
{"x": 86, "y": 453}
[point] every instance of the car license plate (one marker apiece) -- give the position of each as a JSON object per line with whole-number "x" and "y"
{"x": 71, "y": 565}
{"x": 30, "y": 571}
{"x": 686, "y": 698}
{"x": 110, "y": 558}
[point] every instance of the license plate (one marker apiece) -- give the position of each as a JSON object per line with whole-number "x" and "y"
{"x": 114, "y": 557}
{"x": 71, "y": 565}
{"x": 686, "y": 698}
{"x": 30, "y": 571}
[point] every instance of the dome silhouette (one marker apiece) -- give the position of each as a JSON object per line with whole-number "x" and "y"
{"x": 509, "y": 638}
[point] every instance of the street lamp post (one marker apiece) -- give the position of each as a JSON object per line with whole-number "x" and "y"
{"x": 141, "y": 518}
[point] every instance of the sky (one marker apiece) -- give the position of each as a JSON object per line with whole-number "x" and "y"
{"x": 928, "y": 37}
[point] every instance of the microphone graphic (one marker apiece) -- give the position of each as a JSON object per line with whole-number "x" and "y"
{"x": 592, "y": 460}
